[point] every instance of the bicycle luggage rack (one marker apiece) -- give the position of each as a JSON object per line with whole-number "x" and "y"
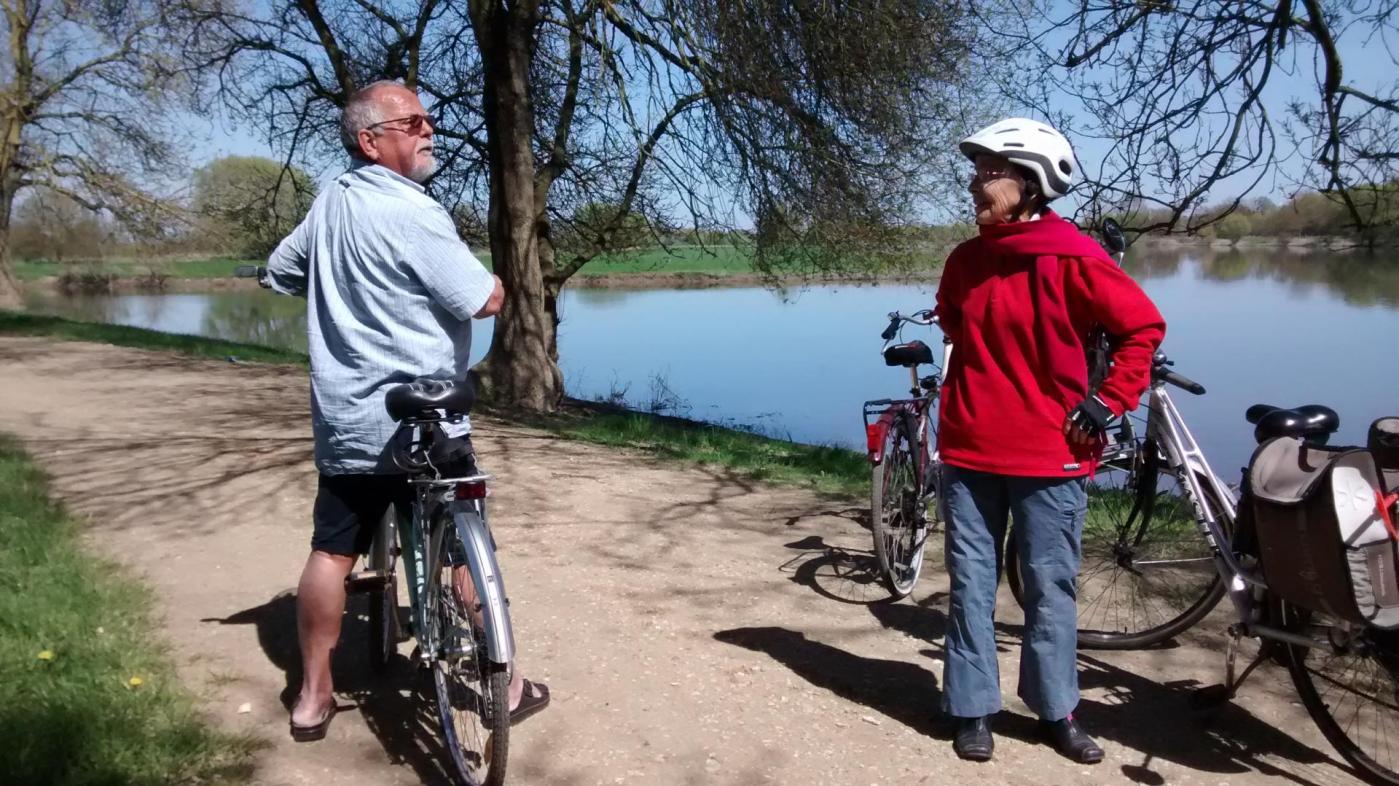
{"x": 878, "y": 408}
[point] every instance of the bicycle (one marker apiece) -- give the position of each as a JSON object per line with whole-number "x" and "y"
{"x": 458, "y": 607}
{"x": 901, "y": 445}
{"x": 1146, "y": 573}
{"x": 1182, "y": 549}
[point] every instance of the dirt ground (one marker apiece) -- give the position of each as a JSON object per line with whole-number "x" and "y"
{"x": 695, "y": 627}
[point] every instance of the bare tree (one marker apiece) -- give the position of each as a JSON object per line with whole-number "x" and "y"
{"x": 668, "y": 113}
{"x": 1186, "y": 94}
{"x": 85, "y": 105}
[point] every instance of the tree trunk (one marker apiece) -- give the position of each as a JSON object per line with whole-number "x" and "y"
{"x": 11, "y": 296}
{"x": 521, "y": 369}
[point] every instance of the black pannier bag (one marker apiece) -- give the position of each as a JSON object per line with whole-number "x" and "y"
{"x": 1325, "y": 529}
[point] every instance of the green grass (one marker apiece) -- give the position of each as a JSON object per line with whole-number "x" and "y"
{"x": 713, "y": 260}
{"x": 717, "y": 260}
{"x": 14, "y": 323}
{"x": 73, "y": 633}
{"x": 222, "y": 267}
{"x": 826, "y": 469}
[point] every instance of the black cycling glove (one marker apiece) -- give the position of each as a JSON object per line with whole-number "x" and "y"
{"x": 1092, "y": 416}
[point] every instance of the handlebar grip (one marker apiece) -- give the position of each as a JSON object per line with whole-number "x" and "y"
{"x": 892, "y": 330}
{"x": 1183, "y": 382}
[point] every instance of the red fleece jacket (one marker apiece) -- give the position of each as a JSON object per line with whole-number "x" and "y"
{"x": 1018, "y": 303}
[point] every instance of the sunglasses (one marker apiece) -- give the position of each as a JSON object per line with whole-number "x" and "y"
{"x": 414, "y": 123}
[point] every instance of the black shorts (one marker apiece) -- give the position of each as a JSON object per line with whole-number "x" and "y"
{"x": 349, "y": 508}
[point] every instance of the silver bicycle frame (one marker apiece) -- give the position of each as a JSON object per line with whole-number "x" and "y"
{"x": 1167, "y": 428}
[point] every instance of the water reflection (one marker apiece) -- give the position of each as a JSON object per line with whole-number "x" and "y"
{"x": 1358, "y": 278}
{"x": 271, "y": 321}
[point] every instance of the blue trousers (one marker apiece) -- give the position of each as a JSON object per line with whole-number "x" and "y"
{"x": 1048, "y": 515}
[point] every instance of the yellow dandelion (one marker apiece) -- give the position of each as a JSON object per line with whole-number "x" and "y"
{"x": 46, "y": 655}
{"x": 135, "y": 682}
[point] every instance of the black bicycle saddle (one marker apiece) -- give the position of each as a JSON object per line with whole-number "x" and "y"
{"x": 422, "y": 398}
{"x": 908, "y": 355}
{"x": 1313, "y": 423}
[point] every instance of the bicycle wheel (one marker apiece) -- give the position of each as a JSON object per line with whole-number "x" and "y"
{"x": 384, "y": 629}
{"x": 472, "y": 691}
{"x": 898, "y": 512}
{"x": 1146, "y": 573}
{"x": 383, "y": 625}
{"x": 1348, "y": 685}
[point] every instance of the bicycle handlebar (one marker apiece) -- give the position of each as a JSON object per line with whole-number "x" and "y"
{"x": 258, "y": 272}
{"x": 896, "y": 320}
{"x": 1183, "y": 382}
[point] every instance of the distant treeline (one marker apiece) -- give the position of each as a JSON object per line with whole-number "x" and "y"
{"x": 1308, "y": 214}
{"x": 242, "y": 206}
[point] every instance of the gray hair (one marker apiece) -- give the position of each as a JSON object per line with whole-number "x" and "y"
{"x": 361, "y": 112}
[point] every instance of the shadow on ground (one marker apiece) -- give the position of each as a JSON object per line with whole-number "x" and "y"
{"x": 396, "y": 704}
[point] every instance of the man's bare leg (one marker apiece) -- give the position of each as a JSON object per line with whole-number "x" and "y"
{"x": 320, "y": 604}
{"x": 467, "y": 590}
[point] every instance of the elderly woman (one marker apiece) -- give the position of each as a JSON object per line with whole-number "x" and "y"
{"x": 1021, "y": 428}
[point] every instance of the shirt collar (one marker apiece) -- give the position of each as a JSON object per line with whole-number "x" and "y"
{"x": 372, "y": 170}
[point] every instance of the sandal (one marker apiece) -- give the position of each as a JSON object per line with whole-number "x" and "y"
{"x": 534, "y": 698}
{"x": 316, "y": 731}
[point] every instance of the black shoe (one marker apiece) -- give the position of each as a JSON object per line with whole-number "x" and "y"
{"x": 1071, "y": 740}
{"x": 973, "y": 741}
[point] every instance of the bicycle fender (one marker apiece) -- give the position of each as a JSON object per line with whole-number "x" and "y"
{"x": 490, "y": 585}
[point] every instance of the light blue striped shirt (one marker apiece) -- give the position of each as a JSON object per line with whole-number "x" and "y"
{"x": 390, "y": 291}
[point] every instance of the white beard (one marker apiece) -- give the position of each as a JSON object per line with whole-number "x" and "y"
{"x": 423, "y": 171}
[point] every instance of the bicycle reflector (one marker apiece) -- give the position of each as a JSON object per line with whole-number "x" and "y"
{"x": 874, "y": 437}
{"x": 474, "y": 490}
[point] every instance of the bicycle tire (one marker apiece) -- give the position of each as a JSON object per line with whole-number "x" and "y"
{"x": 1369, "y": 662}
{"x": 472, "y": 692}
{"x": 1122, "y": 603}
{"x": 898, "y": 526}
{"x": 383, "y": 625}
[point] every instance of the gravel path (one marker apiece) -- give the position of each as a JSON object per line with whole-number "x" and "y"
{"x": 695, "y": 627}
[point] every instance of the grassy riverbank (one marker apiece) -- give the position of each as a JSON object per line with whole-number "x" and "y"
{"x": 827, "y": 469}
{"x": 86, "y": 695}
{"x": 217, "y": 267}
{"x": 695, "y": 262}
{"x": 710, "y": 260}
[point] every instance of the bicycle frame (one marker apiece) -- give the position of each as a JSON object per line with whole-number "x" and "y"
{"x": 1246, "y": 588}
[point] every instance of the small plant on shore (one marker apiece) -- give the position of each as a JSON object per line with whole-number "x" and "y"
{"x": 86, "y": 282}
{"x": 664, "y": 400}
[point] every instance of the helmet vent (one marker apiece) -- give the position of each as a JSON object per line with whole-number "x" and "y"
{"x": 1066, "y": 168}
{"x": 1014, "y": 144}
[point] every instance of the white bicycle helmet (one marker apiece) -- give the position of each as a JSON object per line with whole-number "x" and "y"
{"x": 1031, "y": 144}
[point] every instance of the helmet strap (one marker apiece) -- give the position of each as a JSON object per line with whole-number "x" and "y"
{"x": 1032, "y": 201}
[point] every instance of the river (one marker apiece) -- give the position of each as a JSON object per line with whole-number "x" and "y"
{"x": 1262, "y": 325}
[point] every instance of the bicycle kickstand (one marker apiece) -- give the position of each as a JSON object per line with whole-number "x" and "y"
{"x": 1233, "y": 679}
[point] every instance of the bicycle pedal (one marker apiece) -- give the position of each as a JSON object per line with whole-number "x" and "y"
{"x": 366, "y": 581}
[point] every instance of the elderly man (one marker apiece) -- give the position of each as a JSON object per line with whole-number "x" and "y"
{"x": 391, "y": 293}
